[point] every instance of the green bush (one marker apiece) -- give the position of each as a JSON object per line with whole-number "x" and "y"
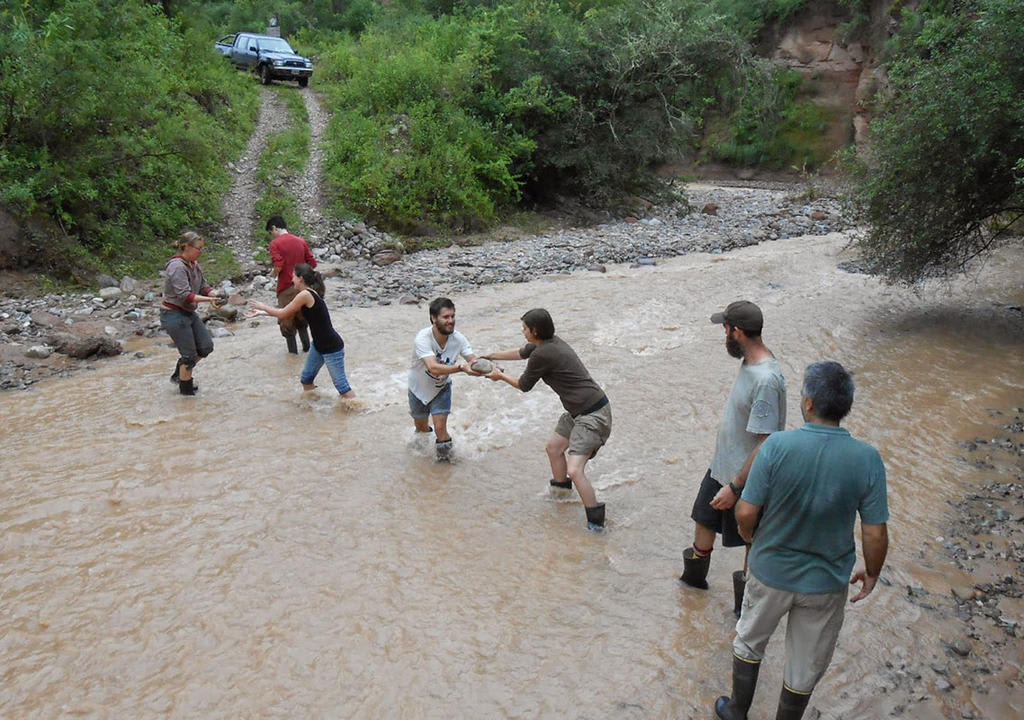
{"x": 444, "y": 121}
{"x": 116, "y": 126}
{"x": 404, "y": 147}
{"x": 943, "y": 180}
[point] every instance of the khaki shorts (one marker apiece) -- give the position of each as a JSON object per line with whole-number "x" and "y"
{"x": 586, "y": 433}
{"x": 291, "y": 323}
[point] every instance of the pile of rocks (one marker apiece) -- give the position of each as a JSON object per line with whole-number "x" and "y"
{"x": 712, "y": 219}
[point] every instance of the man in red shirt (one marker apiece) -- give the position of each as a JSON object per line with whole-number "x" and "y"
{"x": 287, "y": 251}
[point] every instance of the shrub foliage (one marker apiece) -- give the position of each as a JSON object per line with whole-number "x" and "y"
{"x": 442, "y": 120}
{"x": 115, "y": 124}
{"x": 945, "y": 176}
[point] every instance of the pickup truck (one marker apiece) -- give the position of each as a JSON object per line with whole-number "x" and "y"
{"x": 271, "y": 58}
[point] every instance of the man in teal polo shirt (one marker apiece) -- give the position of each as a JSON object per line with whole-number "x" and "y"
{"x": 808, "y": 486}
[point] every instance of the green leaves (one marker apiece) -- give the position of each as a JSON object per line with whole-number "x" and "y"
{"x": 944, "y": 167}
{"x": 116, "y": 125}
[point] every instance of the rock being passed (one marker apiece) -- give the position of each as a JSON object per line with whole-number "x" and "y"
{"x": 482, "y": 365}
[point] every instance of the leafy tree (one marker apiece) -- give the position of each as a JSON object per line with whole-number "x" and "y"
{"x": 114, "y": 125}
{"x": 943, "y": 180}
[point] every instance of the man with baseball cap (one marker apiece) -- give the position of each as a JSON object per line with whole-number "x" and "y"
{"x": 755, "y": 409}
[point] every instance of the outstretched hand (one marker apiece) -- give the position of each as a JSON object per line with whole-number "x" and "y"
{"x": 867, "y": 584}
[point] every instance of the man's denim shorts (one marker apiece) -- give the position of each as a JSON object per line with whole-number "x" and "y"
{"x": 440, "y": 405}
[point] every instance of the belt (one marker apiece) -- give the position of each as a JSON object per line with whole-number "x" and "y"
{"x": 594, "y": 408}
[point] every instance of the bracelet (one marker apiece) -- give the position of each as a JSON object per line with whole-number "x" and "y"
{"x": 735, "y": 490}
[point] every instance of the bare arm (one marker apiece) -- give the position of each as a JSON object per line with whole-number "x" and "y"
{"x": 497, "y": 374}
{"x": 875, "y": 544}
{"x": 726, "y": 498}
{"x": 746, "y": 519}
{"x": 303, "y": 299}
{"x": 504, "y": 355}
{"x": 435, "y": 368}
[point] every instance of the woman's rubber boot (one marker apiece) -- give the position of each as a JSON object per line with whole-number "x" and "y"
{"x": 293, "y": 348}
{"x": 304, "y": 339}
{"x": 595, "y": 516}
{"x": 175, "y": 377}
{"x": 739, "y": 584}
{"x": 792, "y": 704}
{"x": 562, "y": 484}
{"x": 744, "y": 682}
{"x": 695, "y": 569}
{"x": 187, "y": 387}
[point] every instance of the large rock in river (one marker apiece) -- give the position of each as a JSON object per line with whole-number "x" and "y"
{"x": 85, "y": 345}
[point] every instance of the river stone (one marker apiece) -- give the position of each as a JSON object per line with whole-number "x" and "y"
{"x": 39, "y": 352}
{"x": 961, "y": 647}
{"x": 85, "y": 346}
{"x": 110, "y": 293}
{"x": 105, "y": 281}
{"x": 386, "y": 258}
{"x": 482, "y": 365}
{"x": 963, "y": 593}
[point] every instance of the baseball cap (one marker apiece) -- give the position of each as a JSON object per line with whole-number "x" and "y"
{"x": 743, "y": 314}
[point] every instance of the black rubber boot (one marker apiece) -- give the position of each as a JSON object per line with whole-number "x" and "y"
{"x": 744, "y": 682}
{"x": 595, "y": 516}
{"x": 304, "y": 339}
{"x": 293, "y": 348}
{"x": 739, "y": 584}
{"x": 695, "y": 569}
{"x": 792, "y": 704}
{"x": 443, "y": 448}
{"x": 187, "y": 387}
{"x": 563, "y": 484}
{"x": 177, "y": 369}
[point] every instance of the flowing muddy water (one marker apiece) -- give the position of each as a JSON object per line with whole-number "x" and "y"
{"x": 257, "y": 552}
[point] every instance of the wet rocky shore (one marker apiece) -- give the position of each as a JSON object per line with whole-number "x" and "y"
{"x": 984, "y": 615}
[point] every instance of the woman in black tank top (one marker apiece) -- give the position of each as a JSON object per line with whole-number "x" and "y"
{"x": 327, "y": 347}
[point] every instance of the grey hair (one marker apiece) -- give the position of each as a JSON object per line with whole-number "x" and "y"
{"x": 830, "y": 387}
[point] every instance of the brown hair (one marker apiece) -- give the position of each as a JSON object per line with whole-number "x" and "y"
{"x": 540, "y": 323}
{"x": 189, "y": 238}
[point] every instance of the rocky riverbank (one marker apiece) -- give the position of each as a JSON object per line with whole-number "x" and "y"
{"x": 58, "y": 334}
{"x": 983, "y": 539}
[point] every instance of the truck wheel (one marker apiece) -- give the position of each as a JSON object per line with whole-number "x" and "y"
{"x": 265, "y": 74}
{"x": 303, "y": 82}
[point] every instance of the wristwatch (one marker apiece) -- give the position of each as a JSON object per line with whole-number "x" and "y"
{"x": 735, "y": 490}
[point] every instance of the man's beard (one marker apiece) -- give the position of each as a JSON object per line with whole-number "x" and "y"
{"x": 444, "y": 329}
{"x": 734, "y": 348}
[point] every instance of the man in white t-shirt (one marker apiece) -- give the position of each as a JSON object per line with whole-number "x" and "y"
{"x": 438, "y": 352}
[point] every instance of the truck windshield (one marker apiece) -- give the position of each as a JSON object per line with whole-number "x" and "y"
{"x": 274, "y": 45}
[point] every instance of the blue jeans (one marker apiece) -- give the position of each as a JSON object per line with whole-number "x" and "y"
{"x": 335, "y": 363}
{"x": 441, "y": 404}
{"x": 189, "y": 334}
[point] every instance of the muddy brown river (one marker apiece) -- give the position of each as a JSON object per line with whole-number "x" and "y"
{"x": 257, "y": 552}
